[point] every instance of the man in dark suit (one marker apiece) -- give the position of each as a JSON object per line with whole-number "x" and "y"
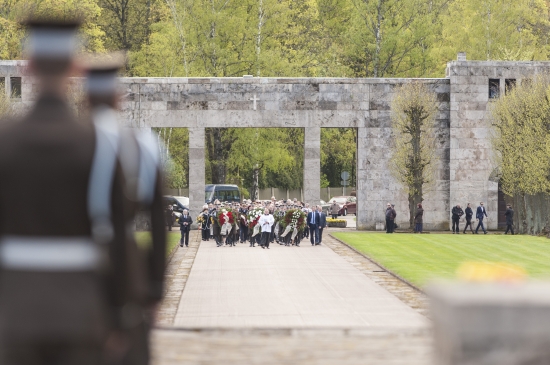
{"x": 469, "y": 215}
{"x": 322, "y": 223}
{"x": 313, "y": 221}
{"x": 480, "y": 213}
{"x": 64, "y": 275}
{"x": 185, "y": 222}
{"x": 509, "y": 219}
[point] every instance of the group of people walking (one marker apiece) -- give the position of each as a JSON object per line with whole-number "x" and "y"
{"x": 269, "y": 222}
{"x": 75, "y": 287}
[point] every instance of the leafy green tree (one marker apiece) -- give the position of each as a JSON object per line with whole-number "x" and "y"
{"x": 413, "y": 112}
{"x": 495, "y": 30}
{"x": 259, "y": 150}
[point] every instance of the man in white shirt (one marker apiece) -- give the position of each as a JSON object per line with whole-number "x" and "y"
{"x": 265, "y": 222}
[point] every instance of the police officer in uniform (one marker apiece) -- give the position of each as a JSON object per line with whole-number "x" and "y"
{"x": 63, "y": 267}
{"x": 140, "y": 165}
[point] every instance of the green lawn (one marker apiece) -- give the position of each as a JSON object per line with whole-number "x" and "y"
{"x": 419, "y": 258}
{"x": 172, "y": 239}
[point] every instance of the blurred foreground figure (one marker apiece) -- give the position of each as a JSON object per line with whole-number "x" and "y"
{"x": 140, "y": 164}
{"x": 492, "y": 317}
{"x": 63, "y": 252}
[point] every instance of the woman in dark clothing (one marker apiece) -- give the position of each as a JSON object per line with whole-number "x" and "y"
{"x": 418, "y": 218}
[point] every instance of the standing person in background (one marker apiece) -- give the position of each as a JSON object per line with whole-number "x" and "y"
{"x": 480, "y": 212}
{"x": 169, "y": 216}
{"x": 509, "y": 219}
{"x": 456, "y": 212}
{"x": 334, "y": 209}
{"x": 185, "y": 222}
{"x": 63, "y": 277}
{"x": 418, "y": 218}
{"x": 322, "y": 223}
{"x": 469, "y": 215}
{"x": 265, "y": 222}
{"x": 390, "y": 216}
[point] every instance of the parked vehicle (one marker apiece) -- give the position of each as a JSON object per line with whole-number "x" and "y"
{"x": 325, "y": 206}
{"x": 179, "y": 203}
{"x": 223, "y": 193}
{"x": 349, "y": 207}
{"x": 348, "y": 204}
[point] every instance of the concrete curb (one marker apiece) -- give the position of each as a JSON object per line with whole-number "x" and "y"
{"x": 380, "y": 266}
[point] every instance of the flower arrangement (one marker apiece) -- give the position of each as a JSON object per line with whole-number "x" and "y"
{"x": 224, "y": 215}
{"x": 254, "y": 216}
{"x": 295, "y": 219}
{"x": 278, "y": 216}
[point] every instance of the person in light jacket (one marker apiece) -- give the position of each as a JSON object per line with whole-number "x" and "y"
{"x": 418, "y": 218}
{"x": 334, "y": 209}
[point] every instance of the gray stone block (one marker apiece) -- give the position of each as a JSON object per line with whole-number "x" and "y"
{"x": 491, "y": 324}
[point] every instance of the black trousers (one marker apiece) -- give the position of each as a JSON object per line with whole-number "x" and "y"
{"x": 184, "y": 238}
{"x": 266, "y": 236}
{"x": 480, "y": 224}
{"x": 509, "y": 227}
{"x": 243, "y": 233}
{"x": 205, "y": 234}
{"x": 390, "y": 225}
{"x": 335, "y": 216}
{"x": 469, "y": 223}
{"x": 321, "y": 235}
{"x": 456, "y": 222}
{"x": 314, "y": 234}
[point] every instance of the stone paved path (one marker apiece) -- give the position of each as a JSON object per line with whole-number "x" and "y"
{"x": 323, "y": 323}
{"x": 285, "y": 287}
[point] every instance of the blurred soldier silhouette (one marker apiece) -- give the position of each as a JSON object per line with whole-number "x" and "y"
{"x": 63, "y": 246}
{"x": 140, "y": 164}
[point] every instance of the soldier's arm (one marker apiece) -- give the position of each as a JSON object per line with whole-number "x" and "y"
{"x": 157, "y": 253}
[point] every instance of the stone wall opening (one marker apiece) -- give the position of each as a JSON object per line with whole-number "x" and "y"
{"x": 338, "y": 160}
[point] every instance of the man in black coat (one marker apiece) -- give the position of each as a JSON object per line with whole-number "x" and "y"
{"x": 456, "y": 212}
{"x": 509, "y": 219}
{"x": 390, "y": 218}
{"x": 314, "y": 221}
{"x": 185, "y": 222}
{"x": 469, "y": 214}
{"x": 322, "y": 223}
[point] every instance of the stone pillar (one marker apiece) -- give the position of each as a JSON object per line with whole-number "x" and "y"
{"x": 7, "y": 85}
{"x": 196, "y": 170}
{"x": 362, "y": 181}
{"x": 312, "y": 165}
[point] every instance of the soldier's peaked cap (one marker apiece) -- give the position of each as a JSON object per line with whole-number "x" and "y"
{"x": 102, "y": 72}
{"x": 51, "y": 38}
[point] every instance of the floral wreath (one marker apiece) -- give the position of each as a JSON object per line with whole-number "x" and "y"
{"x": 230, "y": 217}
{"x": 253, "y": 216}
{"x": 294, "y": 218}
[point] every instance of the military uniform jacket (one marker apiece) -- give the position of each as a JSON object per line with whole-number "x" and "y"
{"x": 45, "y": 165}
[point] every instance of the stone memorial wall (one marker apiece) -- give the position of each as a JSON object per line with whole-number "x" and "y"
{"x": 464, "y": 161}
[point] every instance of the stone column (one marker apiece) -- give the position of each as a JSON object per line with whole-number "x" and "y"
{"x": 362, "y": 181}
{"x": 312, "y": 165}
{"x": 196, "y": 171}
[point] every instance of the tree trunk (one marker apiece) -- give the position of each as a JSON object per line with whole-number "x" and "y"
{"x": 218, "y": 162}
{"x": 255, "y": 190}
